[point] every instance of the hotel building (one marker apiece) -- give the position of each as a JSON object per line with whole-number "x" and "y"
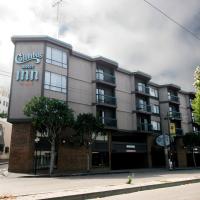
{"x": 135, "y": 111}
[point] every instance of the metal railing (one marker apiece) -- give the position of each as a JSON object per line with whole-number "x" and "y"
{"x": 173, "y": 98}
{"x": 107, "y": 121}
{"x": 143, "y": 107}
{"x": 175, "y": 114}
{"x": 143, "y": 89}
{"x": 105, "y": 99}
{"x": 145, "y": 127}
{"x": 105, "y": 77}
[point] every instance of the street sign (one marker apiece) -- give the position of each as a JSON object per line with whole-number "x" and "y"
{"x": 160, "y": 140}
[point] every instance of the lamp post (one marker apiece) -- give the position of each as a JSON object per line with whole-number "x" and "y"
{"x": 37, "y": 139}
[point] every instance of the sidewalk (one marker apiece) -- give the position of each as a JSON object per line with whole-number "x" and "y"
{"x": 84, "y": 187}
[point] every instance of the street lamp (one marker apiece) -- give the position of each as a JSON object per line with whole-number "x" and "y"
{"x": 37, "y": 139}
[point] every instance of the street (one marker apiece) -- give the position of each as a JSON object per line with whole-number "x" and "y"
{"x": 184, "y": 192}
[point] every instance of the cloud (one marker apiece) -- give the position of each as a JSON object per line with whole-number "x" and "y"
{"x": 127, "y": 31}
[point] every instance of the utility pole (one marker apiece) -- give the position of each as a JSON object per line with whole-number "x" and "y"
{"x": 57, "y": 4}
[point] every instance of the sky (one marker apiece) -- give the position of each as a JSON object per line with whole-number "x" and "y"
{"x": 129, "y": 32}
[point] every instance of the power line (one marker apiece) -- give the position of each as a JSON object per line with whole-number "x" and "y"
{"x": 5, "y": 71}
{"x": 171, "y": 19}
{"x": 5, "y": 75}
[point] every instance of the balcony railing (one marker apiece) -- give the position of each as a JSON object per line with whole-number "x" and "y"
{"x": 105, "y": 99}
{"x": 142, "y": 89}
{"x": 179, "y": 131}
{"x": 174, "y": 115}
{"x": 173, "y": 98}
{"x": 145, "y": 127}
{"x": 107, "y": 121}
{"x": 143, "y": 107}
{"x": 105, "y": 77}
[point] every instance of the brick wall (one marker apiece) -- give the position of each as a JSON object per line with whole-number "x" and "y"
{"x": 72, "y": 158}
{"x": 22, "y": 148}
{"x": 181, "y": 153}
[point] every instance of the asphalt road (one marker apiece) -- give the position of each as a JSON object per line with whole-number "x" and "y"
{"x": 184, "y": 192}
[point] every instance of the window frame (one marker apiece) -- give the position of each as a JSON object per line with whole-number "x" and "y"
{"x": 49, "y": 86}
{"x": 50, "y": 60}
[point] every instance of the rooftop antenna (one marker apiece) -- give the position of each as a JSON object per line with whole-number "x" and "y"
{"x": 57, "y": 4}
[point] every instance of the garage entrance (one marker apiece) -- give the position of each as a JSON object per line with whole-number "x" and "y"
{"x": 128, "y": 155}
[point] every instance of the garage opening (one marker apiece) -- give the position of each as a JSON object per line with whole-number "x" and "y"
{"x": 128, "y": 155}
{"x": 128, "y": 160}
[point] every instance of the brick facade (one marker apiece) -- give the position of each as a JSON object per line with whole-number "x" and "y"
{"x": 181, "y": 153}
{"x": 22, "y": 148}
{"x": 72, "y": 158}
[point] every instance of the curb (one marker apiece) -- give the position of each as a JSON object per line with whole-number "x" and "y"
{"x": 76, "y": 174}
{"x": 107, "y": 193}
{"x": 3, "y": 163}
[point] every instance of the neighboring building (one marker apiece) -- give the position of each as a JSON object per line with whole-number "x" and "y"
{"x": 4, "y": 99}
{"x": 5, "y": 137}
{"x": 134, "y": 110}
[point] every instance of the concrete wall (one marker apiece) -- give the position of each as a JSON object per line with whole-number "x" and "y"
{"x": 185, "y": 113}
{"x": 163, "y": 94}
{"x": 22, "y": 91}
{"x": 80, "y": 88}
{"x": 124, "y": 101}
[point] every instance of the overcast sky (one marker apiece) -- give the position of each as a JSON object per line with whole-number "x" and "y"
{"x": 127, "y": 31}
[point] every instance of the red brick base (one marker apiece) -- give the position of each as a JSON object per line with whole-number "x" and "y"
{"x": 72, "y": 158}
{"x": 21, "y": 148}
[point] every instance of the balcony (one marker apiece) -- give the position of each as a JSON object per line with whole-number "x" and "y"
{"x": 143, "y": 89}
{"x": 179, "y": 131}
{"x": 175, "y": 115}
{"x": 145, "y": 127}
{"x": 110, "y": 122}
{"x": 102, "y": 76}
{"x": 173, "y": 98}
{"x": 105, "y": 99}
{"x": 143, "y": 108}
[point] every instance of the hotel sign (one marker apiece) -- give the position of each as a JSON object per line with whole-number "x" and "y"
{"x": 27, "y": 71}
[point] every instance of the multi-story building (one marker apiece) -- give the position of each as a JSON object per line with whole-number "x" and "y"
{"x": 5, "y": 136}
{"x": 134, "y": 110}
{"x": 4, "y": 99}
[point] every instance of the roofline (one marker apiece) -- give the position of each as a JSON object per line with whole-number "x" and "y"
{"x": 28, "y": 38}
{"x": 142, "y": 74}
{"x": 171, "y": 85}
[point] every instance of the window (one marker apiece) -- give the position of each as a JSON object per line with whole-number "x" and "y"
{"x": 100, "y": 95}
{"x": 100, "y": 74}
{"x": 55, "y": 82}
{"x": 141, "y": 87}
{"x": 190, "y": 100}
{"x": 195, "y": 129}
{"x": 193, "y": 119}
{"x": 142, "y": 105}
{"x": 4, "y": 103}
{"x": 153, "y": 92}
{"x": 155, "y": 125}
{"x": 155, "y": 109}
{"x": 56, "y": 57}
{"x": 6, "y": 149}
